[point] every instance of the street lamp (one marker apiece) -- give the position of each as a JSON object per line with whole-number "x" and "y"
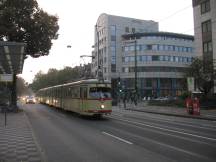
{"x": 99, "y": 70}
{"x": 135, "y": 66}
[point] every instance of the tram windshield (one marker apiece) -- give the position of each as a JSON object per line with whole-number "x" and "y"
{"x": 100, "y": 92}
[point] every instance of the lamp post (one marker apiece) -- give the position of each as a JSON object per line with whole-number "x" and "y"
{"x": 99, "y": 70}
{"x": 135, "y": 66}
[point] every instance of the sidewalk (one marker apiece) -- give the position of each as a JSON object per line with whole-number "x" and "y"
{"x": 170, "y": 111}
{"x": 17, "y": 143}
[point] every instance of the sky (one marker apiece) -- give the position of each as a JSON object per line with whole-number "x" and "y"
{"x": 77, "y": 19}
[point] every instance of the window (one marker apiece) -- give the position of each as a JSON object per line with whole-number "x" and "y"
{"x": 170, "y": 48}
{"x": 154, "y": 47}
{"x": 133, "y": 30}
{"x": 149, "y": 58}
{"x": 184, "y": 59}
{"x": 138, "y": 47}
{"x": 161, "y": 58}
{"x": 144, "y": 58}
{"x": 113, "y": 67}
{"x": 176, "y": 59}
{"x": 144, "y": 47}
{"x": 160, "y": 47}
{"x": 207, "y": 47}
{"x": 125, "y": 69}
{"x": 171, "y": 58}
{"x": 155, "y": 58}
{"x": 206, "y": 26}
{"x": 149, "y": 47}
{"x": 132, "y": 48}
{"x": 166, "y": 58}
{"x": 205, "y": 6}
{"x": 113, "y": 60}
{"x": 112, "y": 48}
{"x": 99, "y": 92}
{"x": 132, "y": 59}
{"x": 113, "y": 29}
{"x": 113, "y": 38}
{"x": 127, "y": 29}
{"x": 126, "y": 49}
{"x": 139, "y": 58}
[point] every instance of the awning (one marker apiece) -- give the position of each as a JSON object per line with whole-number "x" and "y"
{"x": 11, "y": 57}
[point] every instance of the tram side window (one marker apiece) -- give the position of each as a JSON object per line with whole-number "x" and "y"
{"x": 83, "y": 92}
{"x": 100, "y": 92}
{"x": 74, "y": 92}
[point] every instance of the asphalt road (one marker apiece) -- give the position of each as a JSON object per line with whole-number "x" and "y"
{"x": 124, "y": 136}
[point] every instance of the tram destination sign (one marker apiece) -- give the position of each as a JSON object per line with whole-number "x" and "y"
{"x": 6, "y": 77}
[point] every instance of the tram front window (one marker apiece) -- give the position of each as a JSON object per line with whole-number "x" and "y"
{"x": 100, "y": 92}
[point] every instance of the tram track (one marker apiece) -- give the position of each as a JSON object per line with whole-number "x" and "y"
{"x": 172, "y": 131}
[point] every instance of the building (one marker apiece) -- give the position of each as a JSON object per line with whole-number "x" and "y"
{"x": 109, "y": 30}
{"x": 161, "y": 58}
{"x": 205, "y": 29}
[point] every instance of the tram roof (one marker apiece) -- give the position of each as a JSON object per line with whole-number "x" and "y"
{"x": 88, "y": 81}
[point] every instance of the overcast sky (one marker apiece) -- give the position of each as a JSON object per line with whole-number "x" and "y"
{"x": 78, "y": 17}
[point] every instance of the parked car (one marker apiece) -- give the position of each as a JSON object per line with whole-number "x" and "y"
{"x": 30, "y": 99}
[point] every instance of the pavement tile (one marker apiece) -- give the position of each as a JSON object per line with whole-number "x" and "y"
{"x": 16, "y": 141}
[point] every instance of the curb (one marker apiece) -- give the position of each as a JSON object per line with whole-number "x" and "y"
{"x": 177, "y": 115}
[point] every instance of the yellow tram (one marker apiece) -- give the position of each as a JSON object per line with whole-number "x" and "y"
{"x": 86, "y": 97}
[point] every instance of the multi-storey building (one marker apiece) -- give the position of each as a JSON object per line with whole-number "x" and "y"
{"x": 108, "y": 37}
{"x": 205, "y": 29}
{"x": 161, "y": 58}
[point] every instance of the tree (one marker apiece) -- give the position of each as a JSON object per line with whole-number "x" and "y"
{"x": 24, "y": 21}
{"x": 22, "y": 87}
{"x": 204, "y": 74}
{"x": 56, "y": 77}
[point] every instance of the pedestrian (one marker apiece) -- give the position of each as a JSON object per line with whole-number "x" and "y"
{"x": 124, "y": 100}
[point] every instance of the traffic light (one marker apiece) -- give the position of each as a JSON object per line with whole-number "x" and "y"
{"x": 119, "y": 85}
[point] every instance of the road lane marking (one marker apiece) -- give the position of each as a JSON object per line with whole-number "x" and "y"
{"x": 169, "y": 130}
{"x": 176, "y": 122}
{"x": 120, "y": 139}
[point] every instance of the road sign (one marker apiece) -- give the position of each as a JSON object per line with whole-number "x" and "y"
{"x": 6, "y": 77}
{"x": 190, "y": 83}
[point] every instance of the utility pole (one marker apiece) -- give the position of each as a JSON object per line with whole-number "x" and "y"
{"x": 99, "y": 70}
{"x": 135, "y": 66}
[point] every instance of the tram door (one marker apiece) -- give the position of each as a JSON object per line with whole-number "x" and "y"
{"x": 83, "y": 97}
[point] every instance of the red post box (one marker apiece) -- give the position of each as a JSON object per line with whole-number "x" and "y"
{"x": 196, "y": 106}
{"x": 189, "y": 105}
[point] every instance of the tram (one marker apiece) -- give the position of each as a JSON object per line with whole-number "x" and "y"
{"x": 85, "y": 97}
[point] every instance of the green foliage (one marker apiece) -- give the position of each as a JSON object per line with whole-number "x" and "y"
{"x": 204, "y": 74}
{"x": 21, "y": 86}
{"x": 184, "y": 95}
{"x": 56, "y": 77}
{"x": 24, "y": 21}
{"x": 172, "y": 103}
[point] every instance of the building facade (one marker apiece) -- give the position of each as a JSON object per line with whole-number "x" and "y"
{"x": 108, "y": 37}
{"x": 134, "y": 53}
{"x": 161, "y": 62}
{"x": 205, "y": 29}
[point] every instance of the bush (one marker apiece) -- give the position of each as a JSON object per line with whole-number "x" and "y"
{"x": 174, "y": 103}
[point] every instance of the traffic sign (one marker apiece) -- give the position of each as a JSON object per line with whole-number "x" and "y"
{"x": 6, "y": 77}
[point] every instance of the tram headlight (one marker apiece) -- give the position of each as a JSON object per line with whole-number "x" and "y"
{"x": 102, "y": 106}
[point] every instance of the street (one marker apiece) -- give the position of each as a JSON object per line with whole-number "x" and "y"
{"x": 123, "y": 136}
